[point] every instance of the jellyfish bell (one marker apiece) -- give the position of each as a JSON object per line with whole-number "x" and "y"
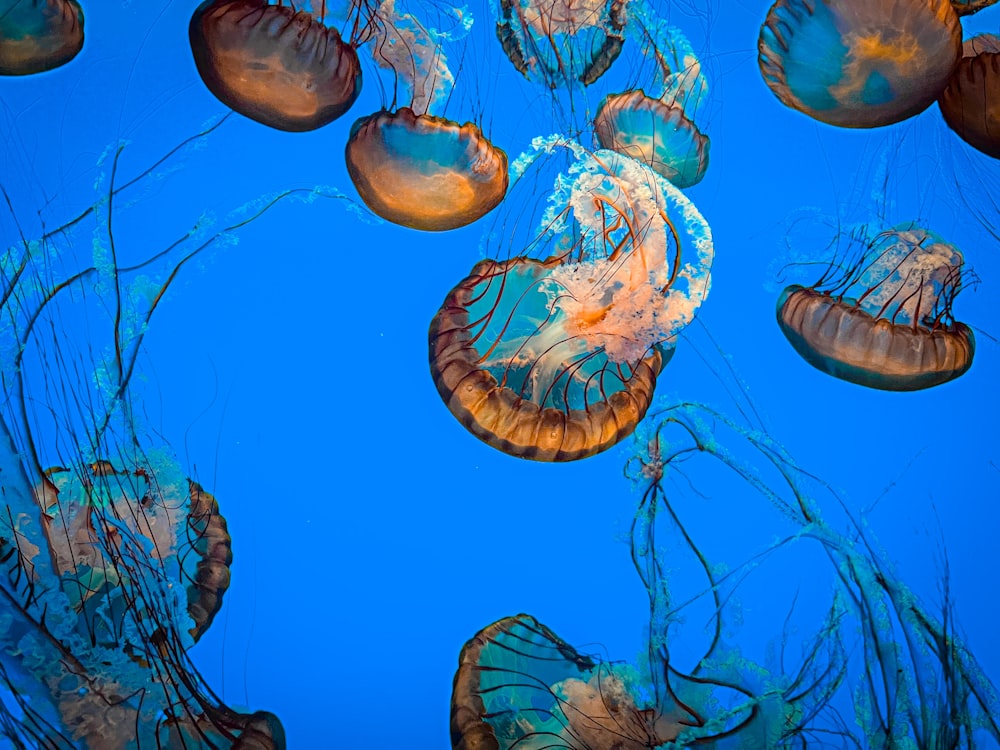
{"x": 887, "y": 322}
{"x": 556, "y": 358}
{"x": 410, "y": 166}
{"x": 279, "y": 66}
{"x": 856, "y": 63}
{"x": 39, "y": 35}
{"x": 663, "y": 131}
{"x": 425, "y": 172}
{"x": 970, "y": 103}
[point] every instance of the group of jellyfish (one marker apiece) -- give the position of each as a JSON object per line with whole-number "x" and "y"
{"x": 549, "y": 349}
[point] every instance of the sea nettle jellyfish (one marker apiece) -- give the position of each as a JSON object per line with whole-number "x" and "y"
{"x": 970, "y": 103}
{"x": 858, "y": 63}
{"x": 885, "y": 322}
{"x": 277, "y": 65}
{"x": 410, "y": 166}
{"x": 553, "y": 354}
{"x": 662, "y": 132}
{"x": 38, "y": 35}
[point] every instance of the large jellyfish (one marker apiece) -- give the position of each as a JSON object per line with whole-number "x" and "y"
{"x": 38, "y": 35}
{"x": 114, "y": 562}
{"x": 856, "y": 63}
{"x": 277, "y": 65}
{"x": 561, "y": 43}
{"x": 662, "y": 132}
{"x": 886, "y": 321}
{"x": 970, "y": 103}
{"x": 408, "y": 165}
{"x": 554, "y": 356}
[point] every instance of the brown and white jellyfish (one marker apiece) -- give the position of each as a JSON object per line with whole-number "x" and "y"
{"x": 277, "y": 65}
{"x": 410, "y": 166}
{"x": 39, "y": 35}
{"x": 886, "y": 322}
{"x": 553, "y": 354}
{"x": 970, "y": 103}
{"x": 661, "y": 131}
{"x": 857, "y": 63}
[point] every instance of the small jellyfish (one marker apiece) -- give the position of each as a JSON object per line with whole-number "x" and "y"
{"x": 281, "y": 67}
{"x": 661, "y": 132}
{"x": 39, "y": 35}
{"x": 409, "y": 166}
{"x": 556, "y": 359}
{"x": 858, "y": 63}
{"x": 887, "y": 322}
{"x": 561, "y": 43}
{"x": 970, "y": 103}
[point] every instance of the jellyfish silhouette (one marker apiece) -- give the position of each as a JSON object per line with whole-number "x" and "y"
{"x": 886, "y": 322}
{"x": 38, "y": 35}
{"x": 859, "y": 64}
{"x": 276, "y": 65}
{"x": 970, "y": 103}
{"x": 661, "y": 132}
{"x": 561, "y": 44}
{"x": 114, "y": 562}
{"x": 409, "y": 166}
{"x": 556, "y": 358}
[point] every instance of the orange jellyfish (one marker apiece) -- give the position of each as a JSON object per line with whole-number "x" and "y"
{"x": 662, "y": 132}
{"x": 38, "y": 36}
{"x": 858, "y": 63}
{"x": 409, "y": 166}
{"x": 556, "y": 359}
{"x": 281, "y": 67}
{"x": 887, "y": 322}
{"x": 970, "y": 103}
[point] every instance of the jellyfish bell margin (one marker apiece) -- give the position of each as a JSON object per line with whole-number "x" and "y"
{"x": 281, "y": 67}
{"x": 887, "y": 322}
{"x": 970, "y": 103}
{"x": 857, "y": 63}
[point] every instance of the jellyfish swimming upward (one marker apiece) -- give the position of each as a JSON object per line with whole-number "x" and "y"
{"x": 410, "y": 166}
{"x": 885, "y": 322}
{"x": 277, "y": 65}
{"x": 554, "y": 356}
{"x": 857, "y": 63}
{"x": 663, "y": 132}
{"x": 36, "y": 36}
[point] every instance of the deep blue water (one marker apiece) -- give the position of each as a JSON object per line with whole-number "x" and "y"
{"x": 372, "y": 534}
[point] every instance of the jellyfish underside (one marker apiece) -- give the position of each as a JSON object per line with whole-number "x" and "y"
{"x": 39, "y": 36}
{"x": 425, "y": 172}
{"x": 859, "y": 64}
{"x": 273, "y": 64}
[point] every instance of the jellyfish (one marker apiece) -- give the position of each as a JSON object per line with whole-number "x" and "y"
{"x": 970, "y": 103}
{"x": 39, "y": 35}
{"x": 886, "y": 323}
{"x": 279, "y": 66}
{"x": 555, "y": 358}
{"x": 412, "y": 167}
{"x": 661, "y": 132}
{"x": 561, "y": 43}
{"x": 859, "y": 64}
{"x": 114, "y": 561}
